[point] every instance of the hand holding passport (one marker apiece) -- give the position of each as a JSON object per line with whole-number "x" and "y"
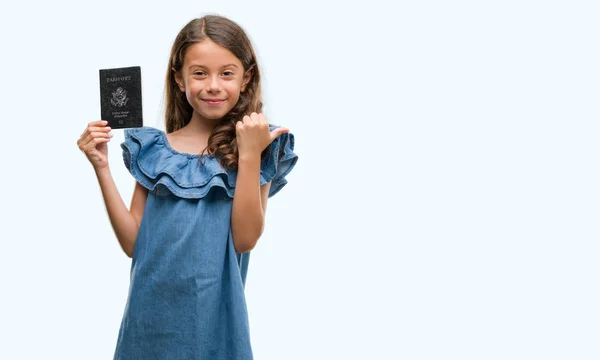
{"x": 121, "y": 97}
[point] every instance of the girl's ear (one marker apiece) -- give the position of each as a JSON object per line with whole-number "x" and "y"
{"x": 247, "y": 78}
{"x": 178, "y": 80}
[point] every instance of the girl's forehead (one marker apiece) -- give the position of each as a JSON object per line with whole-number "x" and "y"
{"x": 209, "y": 54}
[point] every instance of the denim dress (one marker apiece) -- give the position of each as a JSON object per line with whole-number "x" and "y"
{"x": 186, "y": 297}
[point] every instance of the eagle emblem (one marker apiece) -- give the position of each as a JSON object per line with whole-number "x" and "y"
{"x": 119, "y": 97}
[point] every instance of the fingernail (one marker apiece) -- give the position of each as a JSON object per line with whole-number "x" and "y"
{"x": 110, "y": 134}
{"x": 104, "y": 122}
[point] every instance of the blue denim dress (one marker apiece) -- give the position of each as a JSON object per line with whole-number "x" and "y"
{"x": 186, "y": 297}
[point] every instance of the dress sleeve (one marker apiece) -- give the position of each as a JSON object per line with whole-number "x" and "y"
{"x": 279, "y": 162}
{"x": 159, "y": 168}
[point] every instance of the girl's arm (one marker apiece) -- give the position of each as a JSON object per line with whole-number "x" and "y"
{"x": 125, "y": 223}
{"x": 250, "y": 199}
{"x": 93, "y": 143}
{"x": 249, "y": 204}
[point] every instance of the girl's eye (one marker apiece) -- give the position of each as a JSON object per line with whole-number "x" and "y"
{"x": 199, "y": 73}
{"x": 228, "y": 73}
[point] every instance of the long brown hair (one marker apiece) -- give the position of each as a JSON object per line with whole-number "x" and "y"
{"x": 222, "y": 143}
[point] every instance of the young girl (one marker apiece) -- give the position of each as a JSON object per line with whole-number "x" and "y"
{"x": 200, "y": 199}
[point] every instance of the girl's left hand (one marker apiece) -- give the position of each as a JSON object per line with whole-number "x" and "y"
{"x": 253, "y": 134}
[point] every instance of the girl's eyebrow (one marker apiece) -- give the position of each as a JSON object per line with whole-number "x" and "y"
{"x": 202, "y": 66}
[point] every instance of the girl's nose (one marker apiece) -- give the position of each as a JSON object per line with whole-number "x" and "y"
{"x": 213, "y": 84}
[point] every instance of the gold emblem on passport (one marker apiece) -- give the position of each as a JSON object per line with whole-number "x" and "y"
{"x": 119, "y": 97}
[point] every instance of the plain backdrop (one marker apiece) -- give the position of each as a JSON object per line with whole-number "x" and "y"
{"x": 444, "y": 205}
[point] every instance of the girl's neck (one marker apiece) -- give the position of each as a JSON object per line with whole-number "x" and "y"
{"x": 199, "y": 125}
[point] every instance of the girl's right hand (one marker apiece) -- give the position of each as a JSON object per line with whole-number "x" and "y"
{"x": 93, "y": 143}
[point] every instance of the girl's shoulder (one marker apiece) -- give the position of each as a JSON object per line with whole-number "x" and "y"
{"x": 279, "y": 161}
{"x": 152, "y": 161}
{"x": 146, "y": 135}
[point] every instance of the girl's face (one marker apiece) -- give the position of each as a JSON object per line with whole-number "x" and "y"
{"x": 212, "y": 79}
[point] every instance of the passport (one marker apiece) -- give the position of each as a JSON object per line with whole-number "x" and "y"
{"x": 121, "y": 97}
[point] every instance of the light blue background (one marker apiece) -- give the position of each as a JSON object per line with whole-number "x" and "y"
{"x": 445, "y": 204}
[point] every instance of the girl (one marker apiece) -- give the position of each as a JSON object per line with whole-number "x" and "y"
{"x": 199, "y": 203}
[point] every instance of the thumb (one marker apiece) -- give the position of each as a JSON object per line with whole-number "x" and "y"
{"x": 278, "y": 131}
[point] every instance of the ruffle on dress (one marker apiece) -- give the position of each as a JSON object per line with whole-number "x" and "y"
{"x": 158, "y": 167}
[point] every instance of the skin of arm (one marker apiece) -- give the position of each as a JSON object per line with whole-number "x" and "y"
{"x": 249, "y": 204}
{"x": 250, "y": 198}
{"x": 125, "y": 223}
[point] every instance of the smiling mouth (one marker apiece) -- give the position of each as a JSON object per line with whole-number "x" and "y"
{"x": 213, "y": 102}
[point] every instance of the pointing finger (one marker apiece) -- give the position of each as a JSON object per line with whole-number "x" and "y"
{"x": 278, "y": 131}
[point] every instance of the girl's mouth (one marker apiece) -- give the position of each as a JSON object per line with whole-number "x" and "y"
{"x": 213, "y": 102}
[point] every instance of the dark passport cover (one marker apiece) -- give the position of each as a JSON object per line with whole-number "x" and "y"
{"x": 121, "y": 97}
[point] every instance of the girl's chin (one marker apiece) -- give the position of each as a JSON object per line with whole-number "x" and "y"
{"x": 211, "y": 115}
